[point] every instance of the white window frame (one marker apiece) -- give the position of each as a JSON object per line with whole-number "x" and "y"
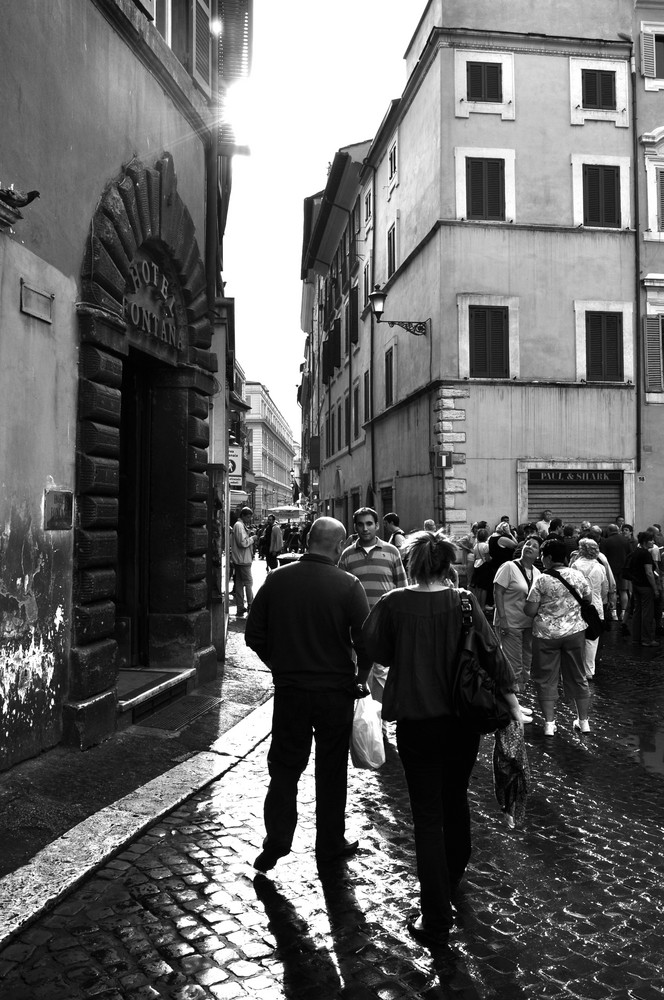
{"x": 463, "y": 107}
{"x": 653, "y": 148}
{"x": 509, "y": 302}
{"x": 392, "y": 156}
{"x": 366, "y": 284}
{"x": 394, "y": 225}
{"x": 583, "y": 306}
{"x": 367, "y": 195}
{"x": 461, "y": 153}
{"x": 654, "y": 285}
{"x": 579, "y": 160}
{"x": 580, "y": 115}
{"x": 650, "y": 28}
{"x": 392, "y": 345}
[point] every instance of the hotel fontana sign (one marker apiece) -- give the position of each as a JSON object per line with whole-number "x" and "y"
{"x": 153, "y": 310}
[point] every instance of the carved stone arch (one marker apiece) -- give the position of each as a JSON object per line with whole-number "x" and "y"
{"x": 140, "y": 225}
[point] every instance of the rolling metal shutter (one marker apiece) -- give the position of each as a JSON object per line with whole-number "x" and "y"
{"x": 576, "y": 495}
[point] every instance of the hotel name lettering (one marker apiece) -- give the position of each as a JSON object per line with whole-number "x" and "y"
{"x": 150, "y": 305}
{"x": 574, "y": 476}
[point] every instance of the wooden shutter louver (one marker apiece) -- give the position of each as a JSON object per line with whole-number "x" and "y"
{"x": 653, "y": 354}
{"x": 485, "y": 189}
{"x": 601, "y": 196}
{"x": 489, "y": 347}
{"x": 647, "y": 54}
{"x": 201, "y": 46}
{"x": 325, "y": 373}
{"x": 660, "y": 200}
{"x": 604, "y": 347}
{"x": 335, "y": 345}
{"x": 234, "y": 55}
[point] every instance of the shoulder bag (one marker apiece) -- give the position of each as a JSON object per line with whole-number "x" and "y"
{"x": 589, "y": 613}
{"x": 476, "y": 698}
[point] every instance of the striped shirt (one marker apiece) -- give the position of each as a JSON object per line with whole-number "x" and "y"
{"x": 378, "y": 570}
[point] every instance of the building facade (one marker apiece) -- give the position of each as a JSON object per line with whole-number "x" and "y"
{"x": 110, "y": 304}
{"x": 509, "y": 207}
{"x": 271, "y": 451}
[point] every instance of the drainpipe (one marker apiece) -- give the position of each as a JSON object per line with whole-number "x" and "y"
{"x": 637, "y": 267}
{"x": 372, "y": 339}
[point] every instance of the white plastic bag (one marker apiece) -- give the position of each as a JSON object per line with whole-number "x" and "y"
{"x": 366, "y": 742}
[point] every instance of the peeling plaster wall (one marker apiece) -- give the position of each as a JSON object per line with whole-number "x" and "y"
{"x": 38, "y": 373}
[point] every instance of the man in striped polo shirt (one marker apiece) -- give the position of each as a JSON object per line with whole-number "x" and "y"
{"x": 378, "y": 567}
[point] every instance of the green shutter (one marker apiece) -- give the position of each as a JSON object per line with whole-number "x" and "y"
{"x": 474, "y": 78}
{"x": 653, "y": 354}
{"x": 494, "y": 82}
{"x": 647, "y": 54}
{"x": 498, "y": 344}
{"x": 589, "y": 88}
{"x": 495, "y": 189}
{"x": 354, "y": 315}
{"x": 660, "y": 200}
{"x": 607, "y": 82}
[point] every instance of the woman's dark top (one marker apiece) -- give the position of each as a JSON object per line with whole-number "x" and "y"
{"x": 417, "y": 634}
{"x": 499, "y": 554}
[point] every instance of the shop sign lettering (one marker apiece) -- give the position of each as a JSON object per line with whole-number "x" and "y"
{"x": 150, "y": 305}
{"x": 574, "y": 476}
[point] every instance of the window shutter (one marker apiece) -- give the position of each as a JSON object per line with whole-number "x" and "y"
{"x": 495, "y": 189}
{"x": 591, "y": 201}
{"x": 474, "y": 81}
{"x": 326, "y": 362}
{"x": 235, "y": 42}
{"x": 354, "y": 315}
{"x": 653, "y": 354}
{"x": 201, "y": 46}
{"x": 594, "y": 367}
{"x": 498, "y": 350}
{"x": 613, "y": 350}
{"x": 660, "y": 199}
{"x": 494, "y": 80}
{"x": 479, "y": 344}
{"x": 647, "y": 54}
{"x": 589, "y": 88}
{"x": 474, "y": 188}
{"x": 608, "y": 90}
{"x": 335, "y": 345}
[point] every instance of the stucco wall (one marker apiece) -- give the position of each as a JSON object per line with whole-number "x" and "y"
{"x": 77, "y": 92}
{"x": 37, "y": 441}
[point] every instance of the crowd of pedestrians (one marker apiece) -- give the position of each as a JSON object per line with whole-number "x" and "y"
{"x": 359, "y": 615}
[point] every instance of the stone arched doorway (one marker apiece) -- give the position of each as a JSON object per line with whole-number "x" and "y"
{"x": 145, "y": 378}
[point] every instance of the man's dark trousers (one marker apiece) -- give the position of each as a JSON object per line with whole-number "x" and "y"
{"x": 299, "y": 715}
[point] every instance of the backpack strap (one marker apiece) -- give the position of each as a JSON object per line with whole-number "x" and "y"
{"x": 572, "y": 590}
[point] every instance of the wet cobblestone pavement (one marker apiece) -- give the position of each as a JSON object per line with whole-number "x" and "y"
{"x": 569, "y": 905}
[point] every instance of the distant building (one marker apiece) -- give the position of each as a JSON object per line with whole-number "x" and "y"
{"x": 271, "y": 450}
{"x": 500, "y": 204}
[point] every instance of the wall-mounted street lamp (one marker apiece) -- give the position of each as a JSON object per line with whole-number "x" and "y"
{"x": 377, "y": 298}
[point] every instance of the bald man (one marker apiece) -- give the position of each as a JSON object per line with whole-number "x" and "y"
{"x": 304, "y": 623}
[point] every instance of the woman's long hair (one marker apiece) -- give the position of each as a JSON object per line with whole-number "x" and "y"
{"x": 429, "y": 556}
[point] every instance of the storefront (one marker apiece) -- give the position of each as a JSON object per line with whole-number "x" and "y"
{"x": 576, "y": 493}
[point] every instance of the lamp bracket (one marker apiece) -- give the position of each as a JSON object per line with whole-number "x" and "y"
{"x": 417, "y": 327}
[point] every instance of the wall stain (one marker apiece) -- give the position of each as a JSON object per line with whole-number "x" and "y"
{"x": 32, "y": 638}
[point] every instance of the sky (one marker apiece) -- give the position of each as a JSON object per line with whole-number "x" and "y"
{"x": 323, "y": 75}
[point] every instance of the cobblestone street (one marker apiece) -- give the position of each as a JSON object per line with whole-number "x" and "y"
{"x": 570, "y": 905}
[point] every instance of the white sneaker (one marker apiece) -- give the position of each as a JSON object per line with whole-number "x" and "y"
{"x": 582, "y": 725}
{"x": 550, "y": 728}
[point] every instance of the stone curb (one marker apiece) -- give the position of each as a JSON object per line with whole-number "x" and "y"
{"x": 57, "y": 869}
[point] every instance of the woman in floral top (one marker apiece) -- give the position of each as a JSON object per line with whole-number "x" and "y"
{"x": 559, "y": 636}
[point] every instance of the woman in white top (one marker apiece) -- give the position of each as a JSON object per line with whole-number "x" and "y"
{"x": 586, "y": 562}
{"x": 511, "y": 586}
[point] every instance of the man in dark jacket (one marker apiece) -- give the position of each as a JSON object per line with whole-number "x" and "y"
{"x": 305, "y": 622}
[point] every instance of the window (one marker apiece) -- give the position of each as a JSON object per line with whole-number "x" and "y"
{"x": 652, "y": 55}
{"x": 485, "y": 189}
{"x": 347, "y": 419}
{"x": 391, "y": 249}
{"x": 598, "y": 88}
{"x": 339, "y": 428}
{"x": 599, "y": 91}
{"x": 489, "y": 354}
{"x": 185, "y": 26}
{"x": 604, "y": 347}
{"x": 601, "y": 196}
{"x": 367, "y": 207}
{"x": 601, "y": 191}
{"x": 346, "y": 329}
{"x": 392, "y": 162}
{"x": 653, "y": 148}
{"x": 389, "y": 377}
{"x": 367, "y": 396}
{"x": 366, "y": 284}
{"x": 604, "y": 341}
{"x": 331, "y": 448}
{"x": 356, "y": 411}
{"x": 654, "y": 354}
{"x": 484, "y": 81}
